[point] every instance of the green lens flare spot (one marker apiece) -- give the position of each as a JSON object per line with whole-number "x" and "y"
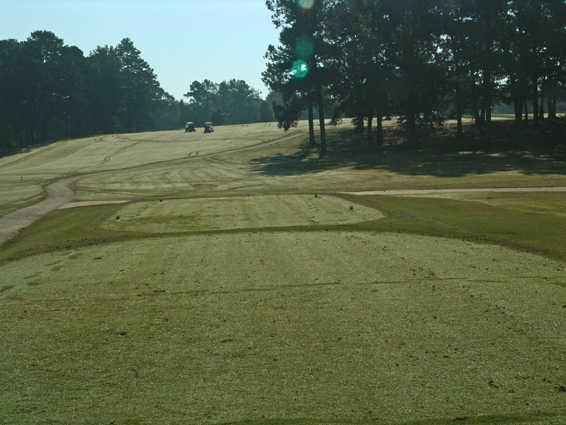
{"x": 304, "y": 47}
{"x": 305, "y": 4}
{"x": 300, "y": 69}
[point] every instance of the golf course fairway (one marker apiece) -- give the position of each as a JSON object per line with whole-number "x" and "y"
{"x": 231, "y": 280}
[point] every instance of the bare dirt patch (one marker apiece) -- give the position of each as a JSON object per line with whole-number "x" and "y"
{"x": 58, "y": 194}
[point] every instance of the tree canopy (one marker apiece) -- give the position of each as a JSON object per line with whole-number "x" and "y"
{"x": 419, "y": 60}
{"x": 228, "y": 102}
{"x": 50, "y": 91}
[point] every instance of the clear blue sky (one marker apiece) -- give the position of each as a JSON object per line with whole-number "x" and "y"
{"x": 183, "y": 40}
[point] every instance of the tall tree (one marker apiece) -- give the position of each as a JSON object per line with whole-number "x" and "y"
{"x": 104, "y": 88}
{"x": 141, "y": 92}
{"x": 303, "y": 43}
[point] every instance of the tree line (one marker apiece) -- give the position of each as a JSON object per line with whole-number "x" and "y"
{"x": 228, "y": 102}
{"x": 51, "y": 91}
{"x": 419, "y": 60}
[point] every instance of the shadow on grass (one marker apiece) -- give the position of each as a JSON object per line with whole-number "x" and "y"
{"x": 506, "y": 146}
{"x": 476, "y": 420}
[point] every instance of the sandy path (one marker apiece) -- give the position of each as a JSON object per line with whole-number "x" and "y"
{"x": 58, "y": 194}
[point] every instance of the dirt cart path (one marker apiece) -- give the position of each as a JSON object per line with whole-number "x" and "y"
{"x": 58, "y": 194}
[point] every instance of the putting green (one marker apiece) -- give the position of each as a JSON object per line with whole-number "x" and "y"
{"x": 239, "y": 213}
{"x": 284, "y": 327}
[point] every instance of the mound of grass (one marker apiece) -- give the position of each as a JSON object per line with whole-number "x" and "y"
{"x": 172, "y": 216}
{"x": 508, "y": 224}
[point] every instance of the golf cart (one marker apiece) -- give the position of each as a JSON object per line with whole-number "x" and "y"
{"x": 208, "y": 128}
{"x": 190, "y": 127}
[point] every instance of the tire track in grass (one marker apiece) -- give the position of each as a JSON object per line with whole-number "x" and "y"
{"x": 60, "y": 192}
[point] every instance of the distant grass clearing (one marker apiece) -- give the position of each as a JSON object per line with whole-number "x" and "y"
{"x": 239, "y": 213}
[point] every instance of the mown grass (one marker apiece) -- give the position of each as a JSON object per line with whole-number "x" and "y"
{"x": 333, "y": 327}
{"x": 15, "y": 194}
{"x": 478, "y": 420}
{"x": 63, "y": 229}
{"x": 538, "y": 202}
{"x": 295, "y": 325}
{"x": 509, "y": 224}
{"x": 117, "y": 152}
{"x": 534, "y": 232}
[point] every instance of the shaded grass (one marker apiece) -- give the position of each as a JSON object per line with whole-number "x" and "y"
{"x": 64, "y": 229}
{"x": 538, "y": 202}
{"x": 478, "y": 420}
{"x": 506, "y": 155}
{"x": 510, "y": 159}
{"x": 527, "y": 231}
{"x": 487, "y": 420}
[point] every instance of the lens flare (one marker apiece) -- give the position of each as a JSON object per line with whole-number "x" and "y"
{"x": 304, "y": 47}
{"x": 305, "y": 4}
{"x": 300, "y": 69}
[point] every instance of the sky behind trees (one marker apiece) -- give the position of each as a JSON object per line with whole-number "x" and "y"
{"x": 183, "y": 40}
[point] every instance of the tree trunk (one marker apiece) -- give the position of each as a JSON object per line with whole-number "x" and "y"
{"x": 535, "y": 100}
{"x": 488, "y": 101}
{"x": 477, "y": 117}
{"x": 551, "y": 107}
{"x": 518, "y": 110}
{"x": 459, "y": 113}
{"x": 360, "y": 124}
{"x": 312, "y": 139}
{"x": 370, "y": 126}
{"x": 411, "y": 127}
{"x": 460, "y": 128}
{"x": 526, "y": 107}
{"x": 321, "y": 119}
{"x": 541, "y": 106}
{"x": 379, "y": 135}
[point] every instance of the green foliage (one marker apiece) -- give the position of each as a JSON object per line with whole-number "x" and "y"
{"x": 51, "y": 91}
{"x": 230, "y": 102}
{"x": 422, "y": 60}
